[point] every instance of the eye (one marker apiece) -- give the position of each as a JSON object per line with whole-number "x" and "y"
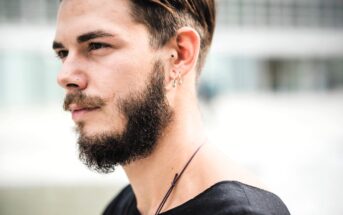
{"x": 95, "y": 46}
{"x": 62, "y": 54}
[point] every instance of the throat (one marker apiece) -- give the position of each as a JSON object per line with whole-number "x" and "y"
{"x": 156, "y": 179}
{"x": 175, "y": 180}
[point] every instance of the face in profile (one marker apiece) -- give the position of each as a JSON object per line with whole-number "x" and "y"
{"x": 114, "y": 82}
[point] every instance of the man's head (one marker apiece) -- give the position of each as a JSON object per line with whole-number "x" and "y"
{"x": 121, "y": 60}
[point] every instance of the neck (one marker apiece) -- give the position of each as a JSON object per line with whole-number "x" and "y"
{"x": 151, "y": 177}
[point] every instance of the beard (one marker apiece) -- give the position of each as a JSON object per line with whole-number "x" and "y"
{"x": 147, "y": 114}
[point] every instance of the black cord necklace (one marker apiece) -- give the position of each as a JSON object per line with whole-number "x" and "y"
{"x": 175, "y": 180}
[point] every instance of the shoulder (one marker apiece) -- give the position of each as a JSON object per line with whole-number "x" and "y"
{"x": 123, "y": 203}
{"x": 234, "y": 198}
{"x": 256, "y": 200}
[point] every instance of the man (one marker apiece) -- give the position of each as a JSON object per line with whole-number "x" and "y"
{"x": 129, "y": 68}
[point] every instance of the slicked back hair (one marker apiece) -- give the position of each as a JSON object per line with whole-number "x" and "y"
{"x": 164, "y": 17}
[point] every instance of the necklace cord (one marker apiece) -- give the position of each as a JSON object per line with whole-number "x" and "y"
{"x": 174, "y": 182}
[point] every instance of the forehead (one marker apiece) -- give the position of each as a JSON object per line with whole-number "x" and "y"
{"x": 76, "y": 17}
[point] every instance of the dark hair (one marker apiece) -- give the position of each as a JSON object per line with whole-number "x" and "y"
{"x": 164, "y": 17}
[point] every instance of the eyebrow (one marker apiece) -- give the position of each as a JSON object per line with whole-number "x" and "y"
{"x": 92, "y": 35}
{"x": 84, "y": 38}
{"x": 57, "y": 45}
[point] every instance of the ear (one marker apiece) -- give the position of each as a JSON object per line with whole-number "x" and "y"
{"x": 185, "y": 52}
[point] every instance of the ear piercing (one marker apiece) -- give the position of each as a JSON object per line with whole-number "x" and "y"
{"x": 174, "y": 83}
{"x": 177, "y": 80}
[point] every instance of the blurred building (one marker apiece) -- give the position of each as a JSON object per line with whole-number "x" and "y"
{"x": 277, "y": 45}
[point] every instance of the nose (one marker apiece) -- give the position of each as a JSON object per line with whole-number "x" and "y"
{"x": 72, "y": 75}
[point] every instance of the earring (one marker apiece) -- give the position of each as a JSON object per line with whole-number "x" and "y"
{"x": 174, "y": 83}
{"x": 178, "y": 80}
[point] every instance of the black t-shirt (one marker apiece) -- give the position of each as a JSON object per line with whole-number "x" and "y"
{"x": 223, "y": 198}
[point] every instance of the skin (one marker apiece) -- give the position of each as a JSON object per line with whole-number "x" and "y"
{"x": 123, "y": 65}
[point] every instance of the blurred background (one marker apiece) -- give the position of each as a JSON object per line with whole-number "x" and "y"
{"x": 271, "y": 95}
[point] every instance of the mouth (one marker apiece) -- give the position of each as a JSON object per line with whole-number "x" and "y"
{"x": 79, "y": 112}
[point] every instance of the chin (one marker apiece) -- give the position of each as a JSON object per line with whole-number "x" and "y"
{"x": 84, "y": 129}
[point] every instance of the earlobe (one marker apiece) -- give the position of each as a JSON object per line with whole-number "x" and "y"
{"x": 174, "y": 79}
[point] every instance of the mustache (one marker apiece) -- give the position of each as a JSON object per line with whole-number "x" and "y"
{"x": 82, "y": 100}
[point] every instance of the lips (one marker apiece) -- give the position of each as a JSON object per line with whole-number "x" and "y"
{"x": 78, "y": 112}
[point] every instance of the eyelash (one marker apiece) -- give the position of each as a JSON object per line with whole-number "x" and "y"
{"x": 62, "y": 54}
{"x": 95, "y": 46}
{"x": 91, "y": 47}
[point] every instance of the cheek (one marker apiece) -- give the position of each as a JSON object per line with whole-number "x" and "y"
{"x": 132, "y": 66}
{"x": 118, "y": 77}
